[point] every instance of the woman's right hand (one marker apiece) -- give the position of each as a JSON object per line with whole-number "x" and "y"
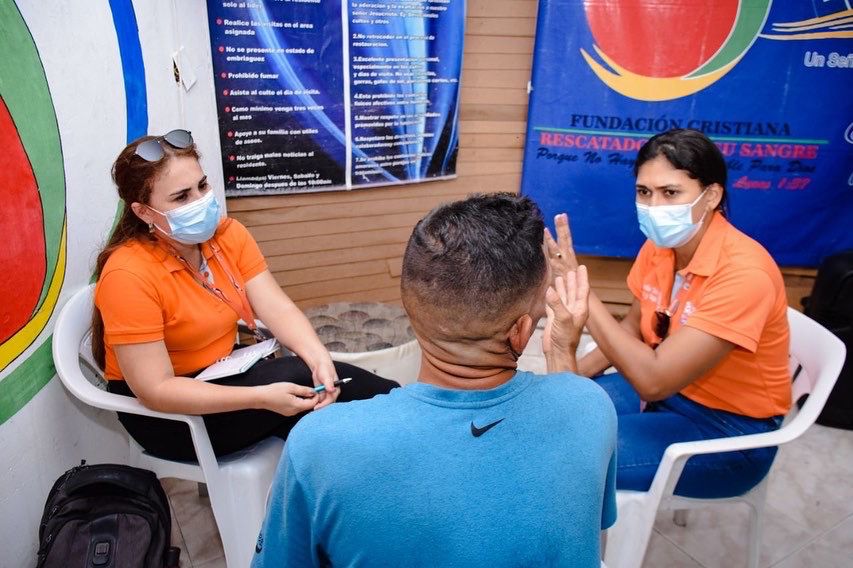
{"x": 287, "y": 398}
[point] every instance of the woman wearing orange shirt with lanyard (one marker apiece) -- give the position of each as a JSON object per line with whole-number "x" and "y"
{"x": 172, "y": 282}
{"x": 705, "y": 342}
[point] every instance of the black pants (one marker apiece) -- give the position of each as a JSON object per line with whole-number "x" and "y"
{"x": 232, "y": 431}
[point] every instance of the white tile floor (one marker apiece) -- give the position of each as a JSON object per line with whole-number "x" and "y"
{"x": 808, "y": 520}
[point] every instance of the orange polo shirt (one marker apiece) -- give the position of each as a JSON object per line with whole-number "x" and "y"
{"x": 737, "y": 294}
{"x": 145, "y": 294}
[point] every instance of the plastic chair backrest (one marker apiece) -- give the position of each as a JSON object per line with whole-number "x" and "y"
{"x": 820, "y": 354}
{"x": 69, "y": 344}
{"x": 69, "y": 336}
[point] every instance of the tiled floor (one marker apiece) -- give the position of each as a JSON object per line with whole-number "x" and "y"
{"x": 808, "y": 520}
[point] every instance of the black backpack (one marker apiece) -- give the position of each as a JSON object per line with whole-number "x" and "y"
{"x": 831, "y": 305}
{"x": 106, "y": 516}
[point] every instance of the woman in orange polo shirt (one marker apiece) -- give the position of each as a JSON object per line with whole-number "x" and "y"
{"x": 705, "y": 343}
{"x": 172, "y": 282}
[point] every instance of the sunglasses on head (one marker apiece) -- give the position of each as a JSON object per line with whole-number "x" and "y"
{"x": 152, "y": 150}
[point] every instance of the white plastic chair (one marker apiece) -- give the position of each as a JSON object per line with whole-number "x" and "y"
{"x": 401, "y": 363}
{"x": 821, "y": 356}
{"x": 237, "y": 484}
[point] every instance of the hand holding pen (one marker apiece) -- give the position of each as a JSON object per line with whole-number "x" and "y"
{"x": 337, "y": 383}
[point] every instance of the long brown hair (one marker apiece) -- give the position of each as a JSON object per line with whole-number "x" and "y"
{"x": 134, "y": 177}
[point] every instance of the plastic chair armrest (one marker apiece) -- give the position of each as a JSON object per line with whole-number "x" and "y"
{"x": 98, "y": 398}
{"x": 676, "y": 455}
{"x": 198, "y": 431}
{"x": 732, "y": 444}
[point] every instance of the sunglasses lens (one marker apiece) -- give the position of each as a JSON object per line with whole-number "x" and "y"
{"x": 662, "y": 324}
{"x": 179, "y": 138}
{"x": 150, "y": 150}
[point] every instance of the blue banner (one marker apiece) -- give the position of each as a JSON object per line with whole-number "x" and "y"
{"x": 316, "y": 95}
{"x": 769, "y": 82}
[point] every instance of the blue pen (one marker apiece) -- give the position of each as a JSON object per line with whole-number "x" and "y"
{"x": 339, "y": 382}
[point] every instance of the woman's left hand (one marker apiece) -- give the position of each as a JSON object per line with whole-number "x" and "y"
{"x": 561, "y": 253}
{"x": 324, "y": 373}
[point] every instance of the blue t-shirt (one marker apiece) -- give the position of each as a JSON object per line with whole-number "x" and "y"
{"x": 519, "y": 475}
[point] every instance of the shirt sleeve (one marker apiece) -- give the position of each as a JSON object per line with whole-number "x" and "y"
{"x": 735, "y": 306}
{"x": 243, "y": 251}
{"x": 285, "y": 537}
{"x": 638, "y": 270}
{"x": 130, "y": 308}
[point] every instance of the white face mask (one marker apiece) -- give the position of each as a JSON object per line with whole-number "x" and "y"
{"x": 193, "y": 223}
{"x": 669, "y": 226}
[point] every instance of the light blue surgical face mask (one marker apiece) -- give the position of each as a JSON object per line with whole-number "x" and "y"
{"x": 193, "y": 223}
{"x": 669, "y": 226}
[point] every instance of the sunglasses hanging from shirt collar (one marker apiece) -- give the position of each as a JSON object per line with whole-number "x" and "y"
{"x": 663, "y": 317}
{"x": 152, "y": 150}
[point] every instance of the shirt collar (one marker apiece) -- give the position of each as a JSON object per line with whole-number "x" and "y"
{"x": 707, "y": 254}
{"x": 452, "y": 398}
{"x": 159, "y": 251}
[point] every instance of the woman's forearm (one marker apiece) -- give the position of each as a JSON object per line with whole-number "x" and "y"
{"x": 285, "y": 320}
{"x": 593, "y": 363}
{"x": 630, "y": 355}
{"x": 293, "y": 330}
{"x": 185, "y": 395}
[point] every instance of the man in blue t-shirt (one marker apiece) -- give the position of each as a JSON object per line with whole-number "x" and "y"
{"x": 476, "y": 464}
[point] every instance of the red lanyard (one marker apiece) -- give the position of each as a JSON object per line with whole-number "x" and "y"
{"x": 244, "y": 309}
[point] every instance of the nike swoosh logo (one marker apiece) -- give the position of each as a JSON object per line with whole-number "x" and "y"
{"x": 477, "y": 432}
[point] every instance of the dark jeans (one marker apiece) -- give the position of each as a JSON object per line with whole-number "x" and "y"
{"x": 644, "y": 436}
{"x": 232, "y": 431}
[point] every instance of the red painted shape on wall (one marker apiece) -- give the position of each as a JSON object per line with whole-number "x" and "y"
{"x": 22, "y": 247}
{"x": 661, "y": 38}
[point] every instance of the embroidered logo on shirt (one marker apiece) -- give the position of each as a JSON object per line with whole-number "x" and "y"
{"x": 477, "y": 432}
{"x": 651, "y": 293}
{"x": 689, "y": 308}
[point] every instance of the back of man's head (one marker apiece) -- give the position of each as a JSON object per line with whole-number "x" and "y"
{"x": 472, "y": 267}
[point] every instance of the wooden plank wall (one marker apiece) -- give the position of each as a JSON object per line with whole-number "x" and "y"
{"x": 347, "y": 246}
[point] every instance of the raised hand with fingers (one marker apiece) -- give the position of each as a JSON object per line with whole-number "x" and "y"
{"x": 561, "y": 252}
{"x": 567, "y": 310}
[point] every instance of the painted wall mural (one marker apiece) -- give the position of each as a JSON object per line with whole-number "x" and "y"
{"x": 33, "y": 220}
{"x": 78, "y": 81}
{"x": 32, "y": 204}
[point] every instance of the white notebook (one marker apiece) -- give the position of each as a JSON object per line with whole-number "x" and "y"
{"x": 239, "y": 361}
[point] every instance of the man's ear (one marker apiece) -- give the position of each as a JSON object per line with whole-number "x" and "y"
{"x": 142, "y": 212}
{"x": 520, "y": 333}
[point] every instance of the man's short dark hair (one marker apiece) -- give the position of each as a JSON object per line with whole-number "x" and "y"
{"x": 475, "y": 259}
